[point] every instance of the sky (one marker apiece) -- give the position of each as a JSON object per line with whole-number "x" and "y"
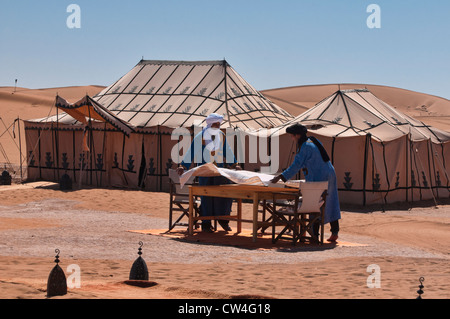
{"x": 272, "y": 44}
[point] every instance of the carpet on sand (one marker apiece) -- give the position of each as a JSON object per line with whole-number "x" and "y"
{"x": 243, "y": 239}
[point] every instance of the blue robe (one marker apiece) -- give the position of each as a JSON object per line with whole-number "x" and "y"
{"x": 210, "y": 206}
{"x": 309, "y": 157}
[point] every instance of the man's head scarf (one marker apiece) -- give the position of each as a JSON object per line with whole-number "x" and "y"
{"x": 213, "y": 118}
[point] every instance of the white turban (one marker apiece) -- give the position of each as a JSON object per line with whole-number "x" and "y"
{"x": 213, "y": 118}
{"x": 209, "y": 132}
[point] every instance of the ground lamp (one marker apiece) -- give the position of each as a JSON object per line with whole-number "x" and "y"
{"x": 57, "y": 283}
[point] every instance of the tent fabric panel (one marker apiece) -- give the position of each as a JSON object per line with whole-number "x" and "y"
{"x": 176, "y": 105}
{"x": 158, "y": 119}
{"x": 67, "y": 159}
{"x": 138, "y": 103}
{"x": 156, "y": 104}
{"x": 45, "y": 155}
{"x": 120, "y": 86}
{"x": 137, "y": 83}
{"x": 397, "y": 170}
{"x": 331, "y": 130}
{"x": 369, "y": 104}
{"x": 186, "y": 84}
{"x": 62, "y": 118}
{"x": 198, "y": 106}
{"x": 173, "y": 84}
{"x": 385, "y": 132}
{"x": 238, "y": 81}
{"x": 441, "y": 157}
{"x": 389, "y": 112}
{"x": 175, "y": 120}
{"x": 420, "y": 175}
{"x": 360, "y": 117}
{"x": 121, "y": 102}
{"x": 139, "y": 119}
{"x": 152, "y": 165}
{"x": 213, "y": 79}
{"x": 349, "y": 163}
{"x": 336, "y": 114}
{"x": 436, "y": 135}
{"x": 126, "y": 159}
{"x": 157, "y": 84}
{"x": 125, "y": 115}
{"x": 107, "y": 101}
{"x": 219, "y": 92}
{"x": 98, "y": 161}
{"x": 32, "y": 152}
{"x": 383, "y": 174}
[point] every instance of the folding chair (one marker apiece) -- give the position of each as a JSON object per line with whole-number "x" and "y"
{"x": 179, "y": 200}
{"x": 267, "y": 210}
{"x": 304, "y": 216}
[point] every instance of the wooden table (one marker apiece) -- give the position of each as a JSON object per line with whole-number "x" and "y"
{"x": 238, "y": 192}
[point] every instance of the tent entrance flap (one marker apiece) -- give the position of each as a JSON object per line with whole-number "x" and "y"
{"x": 87, "y": 108}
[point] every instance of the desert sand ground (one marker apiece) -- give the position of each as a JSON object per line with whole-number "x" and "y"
{"x": 99, "y": 230}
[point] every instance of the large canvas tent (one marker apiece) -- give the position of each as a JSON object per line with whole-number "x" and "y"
{"x": 122, "y": 136}
{"x": 380, "y": 154}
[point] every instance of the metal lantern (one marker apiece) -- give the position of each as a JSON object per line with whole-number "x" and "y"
{"x": 57, "y": 283}
{"x": 420, "y": 291}
{"x": 65, "y": 182}
{"x": 139, "y": 270}
{"x": 5, "y": 178}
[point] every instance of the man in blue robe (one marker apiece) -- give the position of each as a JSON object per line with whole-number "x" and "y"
{"x": 313, "y": 159}
{"x": 208, "y": 146}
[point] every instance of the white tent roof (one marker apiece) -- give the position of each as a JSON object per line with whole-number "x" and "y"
{"x": 183, "y": 93}
{"x": 359, "y": 112}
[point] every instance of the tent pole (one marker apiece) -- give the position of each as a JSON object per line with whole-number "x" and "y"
{"x": 103, "y": 155}
{"x": 226, "y": 91}
{"x": 74, "y": 171}
{"x": 411, "y": 166}
{"x": 20, "y": 151}
{"x": 406, "y": 166}
{"x": 57, "y": 142}
{"x": 52, "y": 132}
{"x": 91, "y": 145}
{"x": 366, "y": 149}
{"x": 332, "y": 150}
{"x": 387, "y": 173}
{"x": 160, "y": 159}
{"x": 430, "y": 154}
{"x": 39, "y": 151}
